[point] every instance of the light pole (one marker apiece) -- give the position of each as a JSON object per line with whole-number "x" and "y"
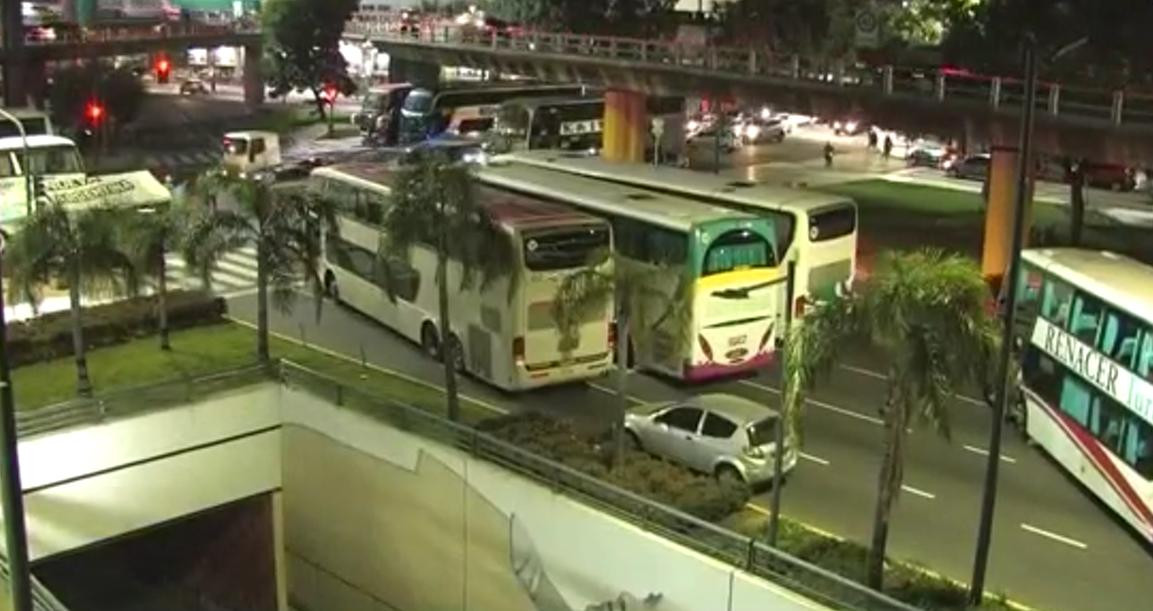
{"x": 1024, "y": 152}
{"x": 27, "y": 171}
{"x": 11, "y": 492}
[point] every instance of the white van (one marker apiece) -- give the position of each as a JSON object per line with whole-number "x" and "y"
{"x": 250, "y": 151}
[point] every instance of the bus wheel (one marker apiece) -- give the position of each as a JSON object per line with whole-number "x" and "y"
{"x": 457, "y": 353}
{"x": 429, "y": 341}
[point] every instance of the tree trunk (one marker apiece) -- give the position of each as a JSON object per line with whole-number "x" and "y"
{"x": 622, "y": 377}
{"x": 83, "y": 382}
{"x": 261, "y": 303}
{"x": 447, "y": 346}
{"x": 318, "y": 100}
{"x": 162, "y": 302}
{"x": 1077, "y": 208}
{"x": 888, "y": 487}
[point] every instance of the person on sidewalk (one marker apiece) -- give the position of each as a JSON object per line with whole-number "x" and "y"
{"x": 888, "y": 147}
{"x": 872, "y": 139}
{"x": 829, "y": 154}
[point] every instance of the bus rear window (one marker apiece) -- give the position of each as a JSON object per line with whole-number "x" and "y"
{"x": 737, "y": 249}
{"x": 564, "y": 248}
{"x": 832, "y": 224}
{"x": 419, "y": 101}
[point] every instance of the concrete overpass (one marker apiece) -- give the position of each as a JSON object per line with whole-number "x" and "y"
{"x": 1101, "y": 125}
{"x": 26, "y": 63}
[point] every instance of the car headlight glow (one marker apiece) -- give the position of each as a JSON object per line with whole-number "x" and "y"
{"x": 851, "y": 126}
{"x": 475, "y": 157}
{"x": 752, "y": 132}
{"x": 837, "y": 125}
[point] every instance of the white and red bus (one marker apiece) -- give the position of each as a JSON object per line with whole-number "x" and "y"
{"x": 505, "y": 332}
{"x": 1087, "y": 372}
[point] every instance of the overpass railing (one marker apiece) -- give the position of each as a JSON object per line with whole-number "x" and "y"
{"x": 1117, "y": 107}
{"x": 125, "y": 33}
{"x": 739, "y": 551}
{"x": 42, "y": 598}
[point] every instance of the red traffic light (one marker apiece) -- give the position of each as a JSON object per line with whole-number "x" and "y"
{"x": 94, "y": 111}
{"x": 162, "y": 66}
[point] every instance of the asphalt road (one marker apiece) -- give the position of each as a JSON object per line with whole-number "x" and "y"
{"x": 1054, "y": 548}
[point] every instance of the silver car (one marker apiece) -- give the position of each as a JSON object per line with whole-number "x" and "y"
{"x": 728, "y": 436}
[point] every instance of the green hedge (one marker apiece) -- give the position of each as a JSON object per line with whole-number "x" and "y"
{"x": 661, "y": 481}
{"x": 50, "y": 336}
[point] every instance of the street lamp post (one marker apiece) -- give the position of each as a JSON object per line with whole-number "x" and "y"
{"x": 11, "y": 492}
{"x": 989, "y": 499}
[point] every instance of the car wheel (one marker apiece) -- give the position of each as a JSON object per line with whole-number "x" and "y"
{"x": 457, "y": 351}
{"x": 727, "y": 474}
{"x": 429, "y": 342}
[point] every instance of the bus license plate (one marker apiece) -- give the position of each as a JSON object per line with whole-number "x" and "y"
{"x": 738, "y": 340}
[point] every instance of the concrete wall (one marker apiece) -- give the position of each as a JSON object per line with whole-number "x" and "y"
{"x": 376, "y": 518}
{"x": 90, "y": 483}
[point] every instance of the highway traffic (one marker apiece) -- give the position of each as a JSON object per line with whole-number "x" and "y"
{"x": 1053, "y": 546}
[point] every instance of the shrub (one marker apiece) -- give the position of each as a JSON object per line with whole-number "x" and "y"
{"x": 50, "y": 336}
{"x": 640, "y": 473}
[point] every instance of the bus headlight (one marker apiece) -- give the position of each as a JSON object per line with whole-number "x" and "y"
{"x": 475, "y": 157}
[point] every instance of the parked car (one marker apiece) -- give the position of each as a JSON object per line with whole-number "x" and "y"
{"x": 973, "y": 167}
{"x": 1109, "y": 176}
{"x": 756, "y": 131}
{"x": 728, "y": 436}
{"x": 193, "y": 87}
{"x": 707, "y": 138}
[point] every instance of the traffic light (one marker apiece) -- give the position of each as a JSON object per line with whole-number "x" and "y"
{"x": 94, "y": 113}
{"x": 163, "y": 69}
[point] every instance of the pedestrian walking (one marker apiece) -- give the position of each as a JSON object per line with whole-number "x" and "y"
{"x": 888, "y": 146}
{"x": 829, "y": 154}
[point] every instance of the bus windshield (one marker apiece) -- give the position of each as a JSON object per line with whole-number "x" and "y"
{"x": 568, "y": 248}
{"x": 737, "y": 249}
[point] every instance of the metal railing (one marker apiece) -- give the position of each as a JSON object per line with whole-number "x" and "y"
{"x": 123, "y": 402}
{"x": 740, "y": 551}
{"x": 42, "y": 597}
{"x": 1117, "y": 107}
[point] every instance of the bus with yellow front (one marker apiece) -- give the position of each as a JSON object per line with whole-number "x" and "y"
{"x": 1086, "y": 330}
{"x": 503, "y": 333}
{"x": 817, "y": 230}
{"x": 712, "y": 292}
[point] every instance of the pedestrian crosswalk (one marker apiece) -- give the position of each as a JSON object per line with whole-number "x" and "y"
{"x": 235, "y": 273}
{"x": 175, "y": 160}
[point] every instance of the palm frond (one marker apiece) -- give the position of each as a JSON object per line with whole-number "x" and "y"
{"x": 213, "y": 235}
{"x": 579, "y": 296}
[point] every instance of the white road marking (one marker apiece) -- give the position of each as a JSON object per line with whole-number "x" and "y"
{"x": 611, "y": 391}
{"x": 833, "y": 408}
{"x": 1054, "y": 536}
{"x": 759, "y": 509}
{"x": 880, "y": 376}
{"x": 918, "y": 492}
{"x": 983, "y": 452}
{"x": 816, "y": 459}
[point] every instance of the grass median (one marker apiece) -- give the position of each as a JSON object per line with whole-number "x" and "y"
{"x": 210, "y": 349}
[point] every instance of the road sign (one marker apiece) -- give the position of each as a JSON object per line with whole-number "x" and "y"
{"x": 867, "y": 27}
{"x": 658, "y": 127}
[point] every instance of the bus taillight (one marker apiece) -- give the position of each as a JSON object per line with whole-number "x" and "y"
{"x": 705, "y": 347}
{"x": 518, "y": 350}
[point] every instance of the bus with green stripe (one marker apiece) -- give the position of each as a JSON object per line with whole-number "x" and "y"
{"x": 709, "y": 288}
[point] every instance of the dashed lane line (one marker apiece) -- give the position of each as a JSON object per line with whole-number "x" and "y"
{"x": 1054, "y": 536}
{"x": 918, "y": 492}
{"x": 876, "y": 375}
{"x": 984, "y": 452}
{"x": 816, "y": 459}
{"x": 821, "y": 404}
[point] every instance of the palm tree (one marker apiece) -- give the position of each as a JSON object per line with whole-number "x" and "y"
{"x": 283, "y": 225}
{"x": 83, "y": 249}
{"x": 434, "y": 203}
{"x": 149, "y": 235}
{"x": 644, "y": 305}
{"x": 925, "y": 313}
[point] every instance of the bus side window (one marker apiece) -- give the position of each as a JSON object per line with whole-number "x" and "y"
{"x": 1145, "y": 356}
{"x": 1138, "y": 449}
{"x": 1086, "y": 318}
{"x": 1118, "y": 338}
{"x": 1055, "y": 303}
{"x": 1076, "y": 399}
{"x": 1107, "y": 422}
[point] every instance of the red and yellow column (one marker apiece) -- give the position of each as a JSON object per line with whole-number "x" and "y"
{"x": 1000, "y": 199}
{"x": 626, "y": 126}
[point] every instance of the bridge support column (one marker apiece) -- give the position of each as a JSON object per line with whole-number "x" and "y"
{"x": 1000, "y": 198}
{"x": 253, "y": 77}
{"x": 626, "y": 126}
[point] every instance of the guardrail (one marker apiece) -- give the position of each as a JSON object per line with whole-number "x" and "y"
{"x": 139, "y": 399}
{"x": 739, "y": 551}
{"x": 944, "y": 86}
{"x": 42, "y": 598}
